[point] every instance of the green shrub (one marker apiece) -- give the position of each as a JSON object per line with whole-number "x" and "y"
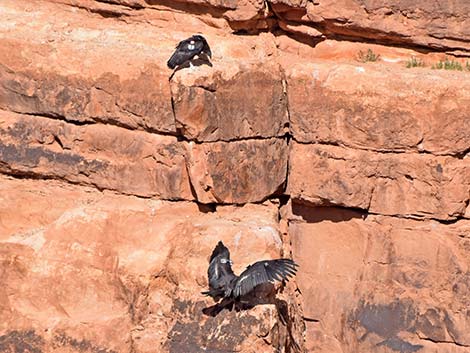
{"x": 368, "y": 56}
{"x": 447, "y": 65}
{"x": 413, "y": 62}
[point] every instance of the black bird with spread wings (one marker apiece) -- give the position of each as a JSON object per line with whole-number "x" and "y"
{"x": 187, "y": 49}
{"x": 224, "y": 284}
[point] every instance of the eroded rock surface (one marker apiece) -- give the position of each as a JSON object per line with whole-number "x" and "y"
{"x": 239, "y": 102}
{"x": 440, "y": 26}
{"x": 427, "y": 24}
{"x": 255, "y": 169}
{"x": 344, "y": 105}
{"x": 413, "y": 185}
{"x": 90, "y": 271}
{"x": 109, "y": 157}
{"x": 381, "y": 284}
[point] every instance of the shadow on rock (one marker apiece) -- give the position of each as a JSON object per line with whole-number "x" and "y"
{"x": 203, "y": 60}
{"x": 263, "y": 294}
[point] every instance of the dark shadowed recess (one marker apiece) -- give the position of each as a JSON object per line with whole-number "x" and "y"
{"x": 316, "y": 214}
{"x": 196, "y": 9}
{"x": 131, "y": 5}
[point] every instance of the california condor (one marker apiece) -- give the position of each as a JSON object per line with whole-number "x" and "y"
{"x": 187, "y": 49}
{"x": 225, "y": 285}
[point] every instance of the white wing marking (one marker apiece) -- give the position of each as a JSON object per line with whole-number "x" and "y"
{"x": 216, "y": 272}
{"x": 242, "y": 279}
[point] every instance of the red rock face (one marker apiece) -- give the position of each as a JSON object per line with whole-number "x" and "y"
{"x": 411, "y": 186}
{"x": 422, "y": 112}
{"x": 109, "y": 157}
{"x": 219, "y": 179}
{"x": 105, "y": 99}
{"x": 119, "y": 176}
{"x": 423, "y": 23}
{"x": 99, "y": 271}
{"x": 443, "y": 25}
{"x": 214, "y": 107}
{"x": 381, "y": 277}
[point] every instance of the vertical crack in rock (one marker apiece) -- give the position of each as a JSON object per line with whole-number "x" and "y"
{"x": 188, "y": 161}
{"x": 293, "y": 318}
{"x": 172, "y": 101}
{"x": 287, "y": 126}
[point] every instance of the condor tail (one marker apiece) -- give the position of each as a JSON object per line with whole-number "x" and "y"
{"x": 173, "y": 61}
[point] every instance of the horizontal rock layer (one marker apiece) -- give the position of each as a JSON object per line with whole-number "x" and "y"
{"x": 426, "y": 24}
{"x": 443, "y": 26}
{"x": 410, "y": 185}
{"x": 344, "y": 105}
{"x": 109, "y": 157}
{"x": 142, "y": 164}
{"x": 75, "y": 77}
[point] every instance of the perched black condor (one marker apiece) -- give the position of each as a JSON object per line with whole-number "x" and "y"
{"x": 187, "y": 49}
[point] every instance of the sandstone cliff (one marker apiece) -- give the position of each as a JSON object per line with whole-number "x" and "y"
{"x": 116, "y": 181}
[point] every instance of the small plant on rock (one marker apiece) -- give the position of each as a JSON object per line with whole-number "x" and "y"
{"x": 413, "y": 62}
{"x": 368, "y": 56}
{"x": 447, "y": 65}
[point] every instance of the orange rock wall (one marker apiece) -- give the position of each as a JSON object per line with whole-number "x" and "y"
{"x": 117, "y": 179}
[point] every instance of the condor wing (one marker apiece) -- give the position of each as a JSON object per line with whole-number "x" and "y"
{"x": 263, "y": 272}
